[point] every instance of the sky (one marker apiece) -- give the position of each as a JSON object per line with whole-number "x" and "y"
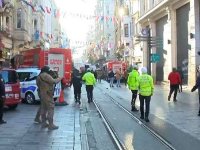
{"x": 75, "y": 22}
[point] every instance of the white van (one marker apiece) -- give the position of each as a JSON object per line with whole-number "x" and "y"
{"x": 27, "y": 77}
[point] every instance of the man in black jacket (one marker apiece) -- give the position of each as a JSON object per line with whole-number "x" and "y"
{"x": 2, "y": 99}
{"x": 77, "y": 84}
{"x": 195, "y": 87}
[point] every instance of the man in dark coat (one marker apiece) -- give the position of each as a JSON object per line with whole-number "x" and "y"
{"x": 77, "y": 84}
{"x": 2, "y": 99}
{"x": 197, "y": 86}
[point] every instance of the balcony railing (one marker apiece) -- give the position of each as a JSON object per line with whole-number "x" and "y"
{"x": 6, "y": 30}
{"x": 147, "y": 5}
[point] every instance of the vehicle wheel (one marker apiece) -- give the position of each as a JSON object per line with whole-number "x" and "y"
{"x": 13, "y": 106}
{"x": 30, "y": 98}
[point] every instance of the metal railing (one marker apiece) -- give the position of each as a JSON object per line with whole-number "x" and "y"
{"x": 6, "y": 30}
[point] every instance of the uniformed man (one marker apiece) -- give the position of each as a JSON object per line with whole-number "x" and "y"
{"x": 133, "y": 86}
{"x": 2, "y": 99}
{"x": 90, "y": 81}
{"x": 54, "y": 75}
{"x": 146, "y": 89}
{"x": 45, "y": 84}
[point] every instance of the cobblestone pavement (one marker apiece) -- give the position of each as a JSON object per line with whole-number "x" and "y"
{"x": 20, "y": 133}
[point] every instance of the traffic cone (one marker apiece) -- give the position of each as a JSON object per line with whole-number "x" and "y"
{"x": 61, "y": 101}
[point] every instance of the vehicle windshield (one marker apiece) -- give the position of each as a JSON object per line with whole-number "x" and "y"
{"x": 27, "y": 76}
{"x": 9, "y": 76}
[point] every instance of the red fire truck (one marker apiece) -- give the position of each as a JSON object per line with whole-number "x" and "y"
{"x": 56, "y": 58}
{"x": 115, "y": 65}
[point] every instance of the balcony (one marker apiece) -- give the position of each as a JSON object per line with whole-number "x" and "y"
{"x": 6, "y": 31}
{"x": 9, "y": 1}
{"x": 147, "y": 5}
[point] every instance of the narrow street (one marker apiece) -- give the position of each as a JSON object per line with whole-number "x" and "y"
{"x": 81, "y": 127}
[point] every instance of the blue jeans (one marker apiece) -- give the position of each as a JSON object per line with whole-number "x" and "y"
{"x": 111, "y": 81}
{"x": 118, "y": 83}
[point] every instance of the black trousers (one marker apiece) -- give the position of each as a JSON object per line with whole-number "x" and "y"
{"x": 89, "y": 89}
{"x": 77, "y": 93}
{"x": 146, "y": 100}
{"x": 199, "y": 99}
{"x": 1, "y": 109}
{"x": 173, "y": 89}
{"x": 134, "y": 97}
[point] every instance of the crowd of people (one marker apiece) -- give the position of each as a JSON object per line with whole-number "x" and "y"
{"x": 139, "y": 83}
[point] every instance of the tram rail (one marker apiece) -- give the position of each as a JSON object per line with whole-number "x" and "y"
{"x": 119, "y": 144}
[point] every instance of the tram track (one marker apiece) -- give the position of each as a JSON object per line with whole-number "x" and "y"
{"x": 119, "y": 144}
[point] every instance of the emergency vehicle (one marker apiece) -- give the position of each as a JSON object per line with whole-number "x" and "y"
{"x": 115, "y": 65}
{"x": 57, "y": 59}
{"x": 12, "y": 87}
{"x": 27, "y": 77}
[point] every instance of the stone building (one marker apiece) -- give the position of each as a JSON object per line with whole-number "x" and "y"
{"x": 28, "y": 24}
{"x": 175, "y": 27}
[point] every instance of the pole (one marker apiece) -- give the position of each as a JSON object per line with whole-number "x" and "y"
{"x": 149, "y": 52}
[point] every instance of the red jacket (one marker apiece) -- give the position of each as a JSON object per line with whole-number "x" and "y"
{"x": 174, "y": 78}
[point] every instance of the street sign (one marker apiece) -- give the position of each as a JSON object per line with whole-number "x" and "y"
{"x": 155, "y": 58}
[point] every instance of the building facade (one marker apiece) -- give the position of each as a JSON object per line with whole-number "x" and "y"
{"x": 28, "y": 24}
{"x": 104, "y": 29}
{"x": 175, "y": 27}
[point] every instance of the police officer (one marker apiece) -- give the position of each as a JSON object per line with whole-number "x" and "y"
{"x": 45, "y": 84}
{"x": 146, "y": 88}
{"x": 133, "y": 86}
{"x": 2, "y": 99}
{"x": 90, "y": 81}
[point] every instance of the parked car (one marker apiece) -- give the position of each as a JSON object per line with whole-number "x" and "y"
{"x": 12, "y": 87}
{"x": 27, "y": 77}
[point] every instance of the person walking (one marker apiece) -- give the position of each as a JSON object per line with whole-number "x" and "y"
{"x": 99, "y": 75}
{"x": 111, "y": 77}
{"x": 125, "y": 76}
{"x": 38, "y": 116}
{"x": 46, "y": 89}
{"x": 90, "y": 81}
{"x": 133, "y": 86}
{"x": 146, "y": 89}
{"x": 118, "y": 77}
{"x": 175, "y": 80}
{"x": 195, "y": 87}
{"x": 77, "y": 84}
{"x": 2, "y": 99}
{"x": 182, "y": 77}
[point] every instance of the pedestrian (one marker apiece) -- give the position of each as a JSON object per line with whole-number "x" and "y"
{"x": 197, "y": 86}
{"x": 133, "y": 86}
{"x": 146, "y": 89}
{"x": 111, "y": 77}
{"x": 175, "y": 80}
{"x": 38, "y": 116}
{"x": 182, "y": 77}
{"x": 2, "y": 99}
{"x": 76, "y": 81}
{"x": 46, "y": 89}
{"x": 99, "y": 75}
{"x": 90, "y": 81}
{"x": 118, "y": 77}
{"x": 125, "y": 76}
